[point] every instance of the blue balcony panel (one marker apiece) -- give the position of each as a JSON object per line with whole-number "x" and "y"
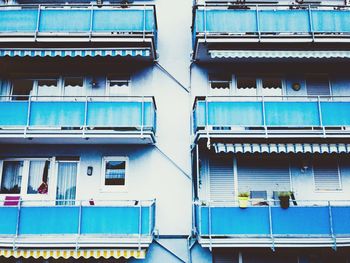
{"x": 122, "y": 221}
{"x": 57, "y": 114}
{"x": 8, "y": 219}
{"x": 331, "y": 21}
{"x": 18, "y": 20}
{"x": 291, "y": 114}
{"x": 13, "y": 113}
{"x": 335, "y": 113}
{"x": 49, "y": 220}
{"x": 341, "y": 219}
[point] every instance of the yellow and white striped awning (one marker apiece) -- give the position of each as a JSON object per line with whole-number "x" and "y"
{"x": 69, "y": 253}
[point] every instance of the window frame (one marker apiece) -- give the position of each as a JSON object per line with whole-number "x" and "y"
{"x": 25, "y": 179}
{"x": 328, "y": 190}
{"x": 114, "y": 188}
{"x": 310, "y": 75}
{"x": 120, "y": 78}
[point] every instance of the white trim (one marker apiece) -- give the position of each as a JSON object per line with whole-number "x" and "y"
{"x": 328, "y": 190}
{"x": 114, "y": 188}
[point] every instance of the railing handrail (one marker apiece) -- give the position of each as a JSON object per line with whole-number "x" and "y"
{"x": 240, "y": 6}
{"x": 58, "y": 5}
{"x": 269, "y": 202}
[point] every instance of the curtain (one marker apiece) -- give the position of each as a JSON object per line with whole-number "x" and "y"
{"x": 66, "y": 183}
{"x": 38, "y": 175}
{"x": 11, "y": 177}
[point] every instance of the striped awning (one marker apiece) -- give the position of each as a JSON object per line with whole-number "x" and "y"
{"x": 244, "y": 54}
{"x": 63, "y": 253}
{"x": 74, "y": 52}
{"x": 281, "y": 148}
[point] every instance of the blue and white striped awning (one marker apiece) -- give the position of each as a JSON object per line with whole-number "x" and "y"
{"x": 281, "y": 148}
{"x": 245, "y": 54}
{"x": 74, "y": 52}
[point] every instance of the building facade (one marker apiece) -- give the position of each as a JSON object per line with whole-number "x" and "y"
{"x": 133, "y": 132}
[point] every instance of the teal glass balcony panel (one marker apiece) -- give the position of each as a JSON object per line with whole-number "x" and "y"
{"x": 271, "y": 114}
{"x": 13, "y": 113}
{"x": 255, "y": 221}
{"x": 133, "y": 113}
{"x": 57, "y": 220}
{"x": 82, "y": 19}
{"x": 213, "y": 20}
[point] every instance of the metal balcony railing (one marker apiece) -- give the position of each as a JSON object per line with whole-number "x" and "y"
{"x": 83, "y": 218}
{"x": 271, "y": 21}
{"x": 250, "y": 114}
{"x": 79, "y": 114}
{"x": 306, "y": 220}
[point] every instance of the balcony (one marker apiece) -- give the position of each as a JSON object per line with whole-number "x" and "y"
{"x": 226, "y": 225}
{"x": 79, "y": 224}
{"x": 38, "y": 119}
{"x": 111, "y": 30}
{"x": 218, "y": 29}
{"x": 266, "y": 117}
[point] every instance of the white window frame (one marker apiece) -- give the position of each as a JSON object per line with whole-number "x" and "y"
{"x": 25, "y": 178}
{"x": 328, "y": 190}
{"x": 114, "y": 188}
{"x": 212, "y": 91}
{"x": 115, "y": 78}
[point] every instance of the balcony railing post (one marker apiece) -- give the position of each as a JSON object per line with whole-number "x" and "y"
{"x": 258, "y": 21}
{"x": 85, "y": 115}
{"x": 37, "y": 23}
{"x": 205, "y": 22}
{"x": 140, "y": 224}
{"x": 331, "y": 226}
{"x": 28, "y": 115}
{"x": 150, "y": 214}
{"x": 320, "y": 115}
{"x": 91, "y": 21}
{"x": 264, "y": 115}
{"x": 144, "y": 23}
{"x": 311, "y": 25}
{"x": 79, "y": 225}
{"x": 209, "y": 227}
{"x": 17, "y": 222}
{"x": 271, "y": 227}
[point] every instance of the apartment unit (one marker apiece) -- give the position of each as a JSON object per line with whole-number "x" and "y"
{"x": 187, "y": 131}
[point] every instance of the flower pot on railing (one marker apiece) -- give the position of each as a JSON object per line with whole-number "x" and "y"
{"x": 243, "y": 199}
{"x": 284, "y": 198}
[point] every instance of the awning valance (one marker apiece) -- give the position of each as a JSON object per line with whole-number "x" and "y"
{"x": 281, "y": 148}
{"x": 74, "y": 52}
{"x": 65, "y": 253}
{"x": 243, "y": 54}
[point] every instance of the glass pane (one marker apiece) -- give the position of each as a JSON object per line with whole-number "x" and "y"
{"x": 115, "y": 173}
{"x": 38, "y": 177}
{"x": 66, "y": 183}
{"x": 11, "y": 177}
{"x": 246, "y": 86}
{"x": 73, "y": 82}
{"x": 272, "y": 87}
{"x": 21, "y": 89}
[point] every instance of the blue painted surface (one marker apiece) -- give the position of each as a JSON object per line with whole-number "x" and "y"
{"x": 305, "y": 221}
{"x": 8, "y": 219}
{"x": 280, "y": 21}
{"x": 18, "y": 20}
{"x": 13, "y": 113}
{"x": 341, "y": 220}
{"x": 75, "y": 20}
{"x": 49, "y": 220}
{"x": 301, "y": 221}
{"x": 57, "y": 114}
{"x": 114, "y": 220}
{"x": 292, "y": 114}
{"x": 335, "y": 113}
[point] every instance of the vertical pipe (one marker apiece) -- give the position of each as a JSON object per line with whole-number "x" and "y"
{"x": 331, "y": 229}
{"x": 271, "y": 227}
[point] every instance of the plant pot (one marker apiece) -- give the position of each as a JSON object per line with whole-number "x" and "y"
{"x": 243, "y": 202}
{"x": 284, "y": 201}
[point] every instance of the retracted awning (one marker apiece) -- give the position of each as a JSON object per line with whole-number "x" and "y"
{"x": 145, "y": 52}
{"x": 281, "y": 148}
{"x": 63, "y": 253}
{"x": 243, "y": 54}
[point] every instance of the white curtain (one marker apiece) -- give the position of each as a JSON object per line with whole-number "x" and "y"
{"x": 66, "y": 183}
{"x": 37, "y": 175}
{"x": 11, "y": 177}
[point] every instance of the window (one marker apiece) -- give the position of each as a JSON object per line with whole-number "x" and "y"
{"x": 21, "y": 89}
{"x": 220, "y": 81}
{"x": 246, "y": 86}
{"x": 47, "y": 88}
{"x": 250, "y": 86}
{"x": 118, "y": 85}
{"x": 114, "y": 172}
{"x": 318, "y": 85}
{"x": 271, "y": 86}
{"x": 327, "y": 176}
{"x": 73, "y": 87}
{"x": 25, "y": 177}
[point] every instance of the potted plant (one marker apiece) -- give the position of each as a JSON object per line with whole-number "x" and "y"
{"x": 243, "y": 198}
{"x": 284, "y": 198}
